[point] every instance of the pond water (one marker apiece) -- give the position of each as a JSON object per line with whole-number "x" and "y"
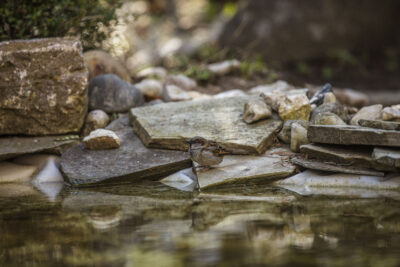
{"x": 151, "y": 224}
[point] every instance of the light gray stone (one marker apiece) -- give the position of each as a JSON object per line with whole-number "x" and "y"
{"x": 285, "y": 134}
{"x": 132, "y": 161}
{"x": 224, "y": 67}
{"x": 271, "y": 88}
{"x": 367, "y": 113}
{"x": 298, "y": 137}
{"x": 173, "y": 93}
{"x": 389, "y": 157}
{"x": 230, "y": 93}
{"x": 235, "y": 169}
{"x": 43, "y": 87}
{"x": 169, "y": 125}
{"x": 184, "y": 180}
{"x": 329, "y": 98}
{"x": 152, "y": 72}
{"x": 150, "y": 88}
{"x": 352, "y": 135}
{"x": 101, "y": 139}
{"x": 95, "y": 119}
{"x": 384, "y": 125}
{"x": 255, "y": 110}
{"x": 327, "y": 118}
{"x": 391, "y": 113}
{"x": 335, "y": 108}
{"x": 330, "y": 167}
{"x": 181, "y": 81}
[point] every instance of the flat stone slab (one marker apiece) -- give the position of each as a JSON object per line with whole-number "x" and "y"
{"x": 344, "y": 155}
{"x": 169, "y": 125}
{"x": 389, "y": 157}
{"x": 384, "y": 125}
{"x": 321, "y": 166}
{"x": 11, "y": 147}
{"x": 240, "y": 168}
{"x": 352, "y": 135}
{"x": 132, "y": 161}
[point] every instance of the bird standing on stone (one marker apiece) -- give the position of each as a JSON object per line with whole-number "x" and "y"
{"x": 205, "y": 152}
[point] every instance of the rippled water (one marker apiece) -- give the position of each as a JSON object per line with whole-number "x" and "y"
{"x": 151, "y": 224}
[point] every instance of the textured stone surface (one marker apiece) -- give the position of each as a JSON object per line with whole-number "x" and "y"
{"x": 335, "y": 108}
{"x": 150, "y": 88}
{"x": 43, "y": 87}
{"x": 11, "y": 147}
{"x": 95, "y": 119}
{"x": 327, "y": 118}
{"x": 132, "y": 161}
{"x": 391, "y": 113}
{"x": 255, "y": 110}
{"x": 169, "y": 125}
{"x": 235, "y": 169}
{"x": 389, "y": 157}
{"x": 172, "y": 93}
{"x": 285, "y": 134}
{"x": 352, "y": 135}
{"x": 101, "y": 139}
{"x": 298, "y": 137}
{"x": 384, "y": 125}
{"x": 295, "y": 107}
{"x": 331, "y": 167}
{"x": 367, "y": 113}
{"x": 110, "y": 93}
{"x": 348, "y": 156}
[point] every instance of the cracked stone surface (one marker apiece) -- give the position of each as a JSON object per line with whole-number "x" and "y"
{"x": 169, "y": 125}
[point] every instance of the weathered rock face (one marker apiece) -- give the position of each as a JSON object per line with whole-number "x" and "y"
{"x": 129, "y": 162}
{"x": 255, "y": 110}
{"x": 367, "y": 113}
{"x": 385, "y": 125}
{"x": 327, "y": 118}
{"x": 295, "y": 107}
{"x": 352, "y": 135}
{"x": 110, "y": 93}
{"x": 169, "y": 125}
{"x": 43, "y": 87}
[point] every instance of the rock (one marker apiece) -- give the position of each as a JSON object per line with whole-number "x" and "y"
{"x": 181, "y": 81}
{"x": 391, "y": 113}
{"x": 255, "y": 110}
{"x": 100, "y": 62}
{"x": 298, "y": 137}
{"x": 295, "y": 107}
{"x": 196, "y": 95}
{"x": 95, "y": 119}
{"x": 50, "y": 189}
{"x": 385, "y": 125}
{"x": 352, "y": 135}
{"x": 152, "y": 73}
{"x": 278, "y": 86}
{"x": 230, "y": 93}
{"x": 235, "y": 169}
{"x": 11, "y": 147}
{"x": 335, "y": 108}
{"x": 43, "y": 87}
{"x": 388, "y": 157}
{"x": 184, "y": 180}
{"x": 150, "y": 88}
{"x": 318, "y": 97}
{"x": 274, "y": 99}
{"x": 327, "y": 118}
{"x": 328, "y": 167}
{"x": 154, "y": 102}
{"x": 224, "y": 67}
{"x": 317, "y": 179}
{"x": 285, "y": 134}
{"x": 101, "y": 139}
{"x": 344, "y": 155}
{"x": 173, "y": 93}
{"x": 367, "y": 113}
{"x": 111, "y": 94}
{"x": 329, "y": 98}
{"x": 169, "y": 125}
{"x": 132, "y": 161}
{"x": 351, "y": 97}
{"x": 15, "y": 173}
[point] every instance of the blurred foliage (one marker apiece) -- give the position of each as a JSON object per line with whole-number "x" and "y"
{"x": 199, "y": 73}
{"x": 87, "y": 19}
{"x": 256, "y": 66}
{"x": 227, "y": 8}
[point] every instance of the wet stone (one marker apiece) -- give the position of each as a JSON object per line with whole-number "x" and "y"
{"x": 352, "y": 135}
{"x": 11, "y": 147}
{"x": 169, "y": 125}
{"x": 131, "y": 161}
{"x": 238, "y": 169}
{"x": 331, "y": 167}
{"x": 384, "y": 125}
{"x": 344, "y": 155}
{"x": 389, "y": 157}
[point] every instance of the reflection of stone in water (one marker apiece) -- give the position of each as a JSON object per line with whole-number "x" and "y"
{"x": 105, "y": 217}
{"x": 51, "y": 190}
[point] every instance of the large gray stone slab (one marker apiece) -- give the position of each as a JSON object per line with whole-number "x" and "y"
{"x": 169, "y": 125}
{"x": 11, "y": 147}
{"x": 352, "y": 135}
{"x": 43, "y": 87}
{"x": 359, "y": 156}
{"x": 240, "y": 168}
{"x": 384, "y": 125}
{"x": 132, "y": 161}
{"x": 331, "y": 167}
{"x": 389, "y": 157}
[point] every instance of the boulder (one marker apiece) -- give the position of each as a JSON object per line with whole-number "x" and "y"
{"x": 101, "y": 139}
{"x": 367, "y": 113}
{"x": 96, "y": 119}
{"x": 295, "y": 107}
{"x": 255, "y": 110}
{"x": 285, "y": 134}
{"x": 298, "y": 137}
{"x": 110, "y": 93}
{"x": 391, "y": 113}
{"x": 43, "y": 87}
{"x": 100, "y": 62}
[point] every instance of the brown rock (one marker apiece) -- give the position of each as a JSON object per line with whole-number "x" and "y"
{"x": 43, "y": 87}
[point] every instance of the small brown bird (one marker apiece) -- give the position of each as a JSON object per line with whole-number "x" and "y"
{"x": 205, "y": 152}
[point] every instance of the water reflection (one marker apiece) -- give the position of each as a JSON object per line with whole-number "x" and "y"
{"x": 151, "y": 224}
